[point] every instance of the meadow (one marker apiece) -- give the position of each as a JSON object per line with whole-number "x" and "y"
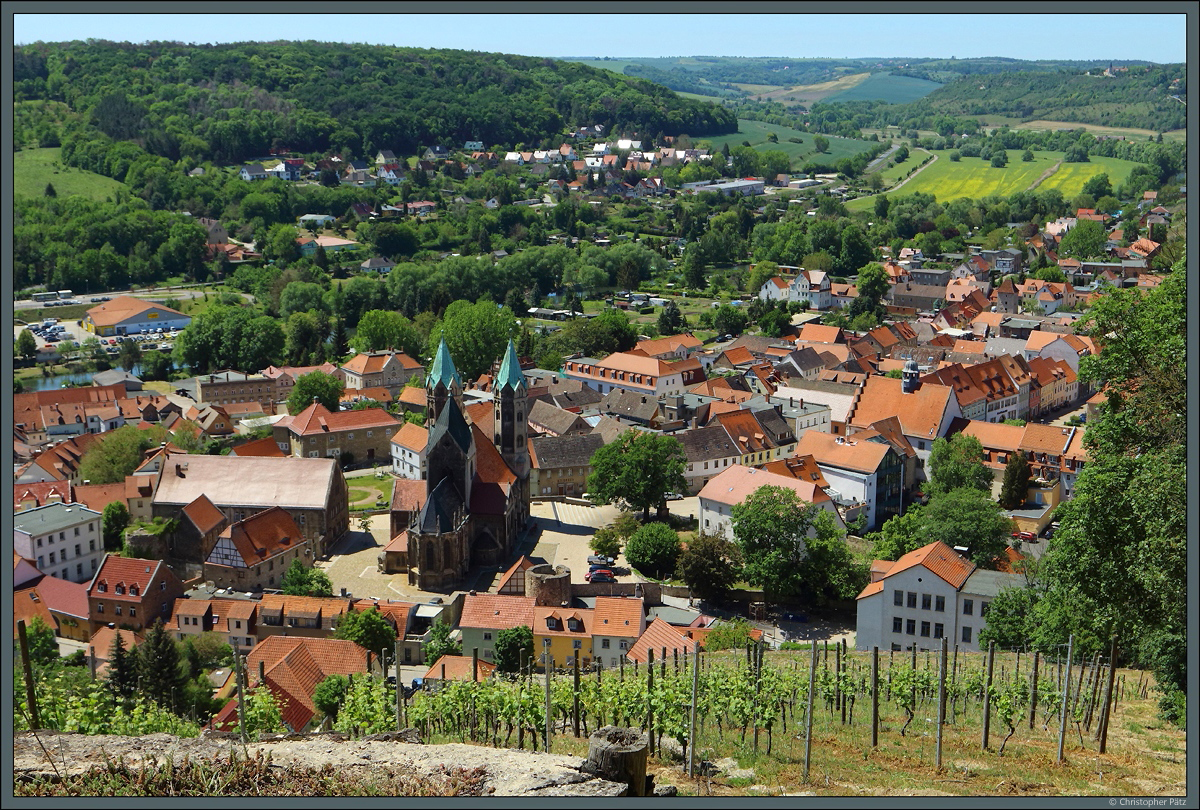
{"x": 755, "y": 132}
{"x": 34, "y": 168}
{"x": 886, "y": 87}
{"x": 976, "y": 178}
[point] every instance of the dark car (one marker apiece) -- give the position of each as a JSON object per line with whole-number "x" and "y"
{"x": 600, "y": 575}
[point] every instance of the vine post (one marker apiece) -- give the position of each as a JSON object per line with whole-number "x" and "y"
{"x": 399, "y": 690}
{"x": 875, "y": 697}
{"x": 576, "y": 706}
{"x": 1062, "y": 726}
{"x": 1108, "y": 697}
{"x": 1033, "y": 689}
{"x": 808, "y": 715}
{"x": 649, "y": 697}
{"x": 520, "y": 698}
{"x": 30, "y": 694}
{"x": 692, "y": 722}
{"x": 239, "y": 670}
{"x": 941, "y": 721}
{"x": 987, "y": 694}
{"x": 549, "y": 664}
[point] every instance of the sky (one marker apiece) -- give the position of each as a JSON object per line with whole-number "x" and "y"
{"x": 1160, "y": 37}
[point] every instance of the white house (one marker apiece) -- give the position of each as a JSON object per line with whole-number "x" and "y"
{"x": 409, "y": 459}
{"x": 733, "y": 485}
{"x": 63, "y": 538}
{"x": 616, "y": 626}
{"x": 928, "y": 594}
{"x": 774, "y": 289}
{"x": 813, "y": 286}
{"x": 631, "y": 372}
{"x": 859, "y": 469}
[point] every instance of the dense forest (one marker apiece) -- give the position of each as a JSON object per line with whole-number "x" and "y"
{"x": 1139, "y": 97}
{"x": 232, "y": 102}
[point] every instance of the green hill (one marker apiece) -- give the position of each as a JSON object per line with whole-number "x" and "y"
{"x": 800, "y": 153}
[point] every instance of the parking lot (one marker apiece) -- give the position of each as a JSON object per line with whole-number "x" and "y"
{"x": 56, "y": 334}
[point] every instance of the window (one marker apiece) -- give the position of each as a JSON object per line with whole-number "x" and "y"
{"x": 912, "y": 599}
{"x": 118, "y": 589}
{"x": 487, "y": 636}
{"x": 966, "y": 636}
{"x": 76, "y": 531}
{"x": 910, "y": 627}
{"x": 99, "y": 607}
{"x": 898, "y": 598}
{"x": 938, "y": 630}
{"x": 925, "y": 629}
{"x": 604, "y": 644}
{"x": 348, "y": 436}
{"x": 370, "y": 433}
{"x": 39, "y": 542}
{"x": 79, "y": 569}
{"x": 968, "y": 607}
{"x": 52, "y": 558}
{"x": 577, "y": 644}
{"x": 77, "y": 551}
{"x": 926, "y": 600}
{"x": 939, "y": 604}
{"x": 117, "y": 610}
{"x": 132, "y": 611}
{"x": 624, "y": 645}
{"x": 897, "y": 625}
{"x": 983, "y": 609}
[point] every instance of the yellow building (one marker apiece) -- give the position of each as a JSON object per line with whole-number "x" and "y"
{"x": 569, "y": 631}
{"x": 126, "y": 315}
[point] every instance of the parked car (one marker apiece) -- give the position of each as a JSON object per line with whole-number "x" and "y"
{"x": 673, "y": 496}
{"x": 596, "y": 559}
{"x": 600, "y": 575}
{"x": 1028, "y": 537}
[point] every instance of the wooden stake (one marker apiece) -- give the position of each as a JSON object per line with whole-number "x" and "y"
{"x": 549, "y": 662}
{"x": 30, "y": 692}
{"x": 1108, "y": 697}
{"x": 941, "y": 701}
{"x": 399, "y": 691}
{"x": 649, "y": 694}
{"x": 575, "y": 710}
{"x": 692, "y": 721}
{"x": 1033, "y": 689}
{"x": 1062, "y": 726}
{"x": 874, "y": 697}
{"x": 987, "y": 695}
{"x": 808, "y": 718}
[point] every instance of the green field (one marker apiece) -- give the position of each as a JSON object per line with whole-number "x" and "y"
{"x": 991, "y": 122}
{"x": 34, "y": 168}
{"x": 800, "y": 153}
{"x": 975, "y": 177}
{"x": 889, "y": 88}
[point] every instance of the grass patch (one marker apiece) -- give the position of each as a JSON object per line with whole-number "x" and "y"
{"x": 755, "y": 132}
{"x": 365, "y": 491}
{"x": 34, "y": 168}
{"x": 38, "y": 314}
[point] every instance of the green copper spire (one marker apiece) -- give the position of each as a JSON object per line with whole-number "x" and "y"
{"x": 510, "y": 375}
{"x": 443, "y": 370}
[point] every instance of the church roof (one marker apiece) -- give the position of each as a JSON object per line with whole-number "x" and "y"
{"x": 510, "y": 375}
{"x": 443, "y": 370}
{"x": 438, "y": 512}
{"x": 452, "y": 421}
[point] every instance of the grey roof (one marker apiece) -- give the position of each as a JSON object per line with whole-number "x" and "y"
{"x": 438, "y": 512}
{"x": 551, "y": 417}
{"x": 609, "y": 429}
{"x": 629, "y": 404}
{"x": 451, "y": 421}
{"x": 581, "y": 398}
{"x": 300, "y": 483}
{"x": 773, "y": 424}
{"x": 680, "y": 617}
{"x": 990, "y": 583}
{"x": 707, "y": 443}
{"x": 756, "y": 344}
{"x": 117, "y": 375}
{"x": 565, "y": 451}
{"x": 52, "y": 518}
{"x": 999, "y": 345}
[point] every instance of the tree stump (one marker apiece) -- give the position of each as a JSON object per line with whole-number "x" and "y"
{"x": 619, "y": 755}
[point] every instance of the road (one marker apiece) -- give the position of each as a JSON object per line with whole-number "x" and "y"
{"x": 874, "y": 164}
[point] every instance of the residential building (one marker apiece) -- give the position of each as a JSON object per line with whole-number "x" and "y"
{"x": 484, "y": 615}
{"x": 62, "y": 605}
{"x": 457, "y": 668}
{"x": 409, "y": 445}
{"x": 315, "y": 432}
{"x": 548, "y": 419}
{"x": 64, "y": 539}
{"x": 732, "y": 486}
{"x": 565, "y": 633}
{"x": 308, "y": 616}
{"x": 253, "y": 554}
{"x": 131, "y": 592}
{"x": 709, "y": 450}
{"x": 233, "y": 387}
{"x": 926, "y": 595}
{"x": 860, "y": 470}
{"x": 662, "y": 641}
{"x": 386, "y": 369}
{"x": 925, "y": 410}
{"x": 232, "y": 619}
{"x": 628, "y": 371}
{"x": 560, "y": 465}
{"x": 313, "y": 491}
{"x": 617, "y": 623}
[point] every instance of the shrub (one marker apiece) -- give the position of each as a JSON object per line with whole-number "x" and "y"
{"x": 653, "y": 550}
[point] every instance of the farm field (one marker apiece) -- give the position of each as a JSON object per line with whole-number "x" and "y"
{"x": 34, "y": 168}
{"x": 887, "y": 87}
{"x": 992, "y": 122}
{"x": 975, "y": 177}
{"x": 805, "y": 93}
{"x": 800, "y": 153}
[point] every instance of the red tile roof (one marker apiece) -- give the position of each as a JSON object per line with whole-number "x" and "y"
{"x": 258, "y": 447}
{"x": 204, "y": 514}
{"x": 266, "y": 534}
{"x": 496, "y": 611}
{"x": 657, "y": 636}
{"x": 619, "y": 616}
{"x": 940, "y": 560}
{"x": 126, "y": 573}
{"x": 458, "y": 668}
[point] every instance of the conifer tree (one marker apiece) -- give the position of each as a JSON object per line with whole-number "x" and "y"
{"x": 122, "y": 669}
{"x": 1016, "y": 481}
{"x": 158, "y": 665}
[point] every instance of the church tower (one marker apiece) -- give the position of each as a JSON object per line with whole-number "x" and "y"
{"x": 443, "y": 384}
{"x": 510, "y": 427}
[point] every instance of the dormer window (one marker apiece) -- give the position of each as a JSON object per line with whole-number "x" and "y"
{"x": 120, "y": 589}
{"x": 101, "y": 587}
{"x": 133, "y": 590}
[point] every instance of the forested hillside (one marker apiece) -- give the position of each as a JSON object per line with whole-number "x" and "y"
{"x": 232, "y": 102}
{"x": 1139, "y": 97}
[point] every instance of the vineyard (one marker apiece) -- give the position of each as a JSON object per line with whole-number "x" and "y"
{"x": 756, "y": 711}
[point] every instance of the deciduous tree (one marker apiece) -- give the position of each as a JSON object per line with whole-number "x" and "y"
{"x": 653, "y": 549}
{"x": 510, "y": 643}
{"x": 369, "y": 630}
{"x": 324, "y": 388}
{"x": 1016, "y": 481}
{"x": 956, "y": 463}
{"x": 638, "y": 468}
{"x": 710, "y": 565}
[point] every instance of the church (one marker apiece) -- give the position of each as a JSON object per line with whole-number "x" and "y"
{"x": 477, "y": 485}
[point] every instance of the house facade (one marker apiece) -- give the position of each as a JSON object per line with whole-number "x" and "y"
{"x": 64, "y": 539}
{"x": 131, "y": 593}
{"x": 316, "y": 432}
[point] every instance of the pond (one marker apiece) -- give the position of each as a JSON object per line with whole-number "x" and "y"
{"x": 61, "y": 380}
